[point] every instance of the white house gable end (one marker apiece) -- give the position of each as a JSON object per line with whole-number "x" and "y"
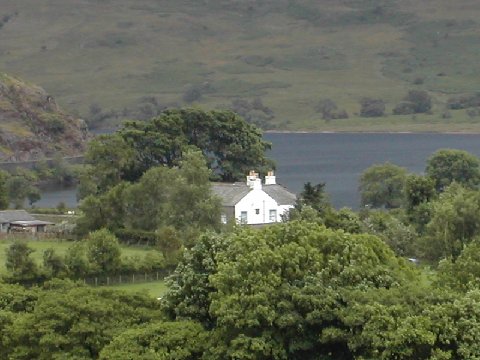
{"x": 257, "y": 207}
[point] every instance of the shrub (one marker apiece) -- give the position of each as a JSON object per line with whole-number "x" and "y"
{"x": 372, "y": 107}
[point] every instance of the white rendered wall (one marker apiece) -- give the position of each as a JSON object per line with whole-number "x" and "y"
{"x": 257, "y": 199}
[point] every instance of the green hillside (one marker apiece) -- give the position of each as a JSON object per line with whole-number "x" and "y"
{"x": 271, "y": 60}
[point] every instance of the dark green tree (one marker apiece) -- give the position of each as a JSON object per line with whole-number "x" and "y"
{"x": 230, "y": 145}
{"x": 418, "y": 190}
{"x": 314, "y": 196}
{"x": 180, "y": 340}
{"x": 448, "y": 165}
{"x": 18, "y": 262}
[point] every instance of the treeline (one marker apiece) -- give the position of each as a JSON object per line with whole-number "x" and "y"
{"x": 23, "y": 185}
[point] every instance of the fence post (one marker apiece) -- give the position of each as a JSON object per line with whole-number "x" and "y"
{"x": 108, "y": 280}
{"x": 96, "y": 281}
{"x": 157, "y": 275}
{"x": 145, "y": 276}
{"x": 133, "y": 278}
{"x": 120, "y": 278}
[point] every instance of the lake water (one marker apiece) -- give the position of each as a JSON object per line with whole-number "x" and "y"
{"x": 338, "y": 159}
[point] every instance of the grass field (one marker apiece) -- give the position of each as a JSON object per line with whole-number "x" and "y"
{"x": 39, "y": 246}
{"x": 155, "y": 289}
{"x": 290, "y": 54}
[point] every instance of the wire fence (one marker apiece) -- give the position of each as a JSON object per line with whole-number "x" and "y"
{"x": 136, "y": 278}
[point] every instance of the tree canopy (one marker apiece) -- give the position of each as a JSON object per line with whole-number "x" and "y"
{"x": 230, "y": 145}
{"x": 448, "y": 165}
{"x": 383, "y": 186}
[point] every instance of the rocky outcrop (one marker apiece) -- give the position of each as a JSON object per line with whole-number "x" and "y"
{"x": 32, "y": 126}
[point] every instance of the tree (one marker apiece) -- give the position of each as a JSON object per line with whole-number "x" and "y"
{"x": 463, "y": 273}
{"x": 420, "y": 100}
{"x": 71, "y": 321}
{"x": 19, "y": 263}
{"x": 179, "y": 197}
{"x": 276, "y": 292}
{"x": 103, "y": 251}
{"x": 230, "y": 145}
{"x": 372, "y": 107}
{"x": 180, "y": 340}
{"x": 53, "y": 263}
{"x": 400, "y": 237}
{"x": 383, "y": 186}
{"x": 454, "y": 222}
{"x": 314, "y": 196}
{"x": 418, "y": 190}
{"x": 448, "y": 165}
{"x": 3, "y": 190}
{"x": 21, "y": 186}
{"x": 76, "y": 260}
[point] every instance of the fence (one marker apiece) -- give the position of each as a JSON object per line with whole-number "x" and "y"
{"x": 137, "y": 278}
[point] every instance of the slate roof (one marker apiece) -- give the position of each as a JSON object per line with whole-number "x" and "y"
{"x": 7, "y": 216}
{"x": 231, "y": 194}
{"x": 280, "y": 194}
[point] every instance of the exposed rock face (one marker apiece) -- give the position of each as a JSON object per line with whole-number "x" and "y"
{"x": 33, "y": 127}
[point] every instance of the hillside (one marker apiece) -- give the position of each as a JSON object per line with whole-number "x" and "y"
{"x": 32, "y": 126}
{"x": 271, "y": 60}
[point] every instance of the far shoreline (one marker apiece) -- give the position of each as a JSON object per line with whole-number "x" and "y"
{"x": 370, "y": 132}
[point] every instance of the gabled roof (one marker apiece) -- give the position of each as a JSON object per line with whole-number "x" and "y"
{"x": 7, "y": 216}
{"x": 280, "y": 194}
{"x": 231, "y": 194}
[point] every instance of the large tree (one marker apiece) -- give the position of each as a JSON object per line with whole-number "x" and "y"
{"x": 231, "y": 146}
{"x": 276, "y": 293}
{"x": 448, "y": 165}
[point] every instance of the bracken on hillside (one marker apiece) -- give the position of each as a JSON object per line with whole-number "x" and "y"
{"x": 33, "y": 127}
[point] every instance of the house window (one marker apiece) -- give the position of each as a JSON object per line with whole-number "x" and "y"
{"x": 243, "y": 217}
{"x": 223, "y": 219}
{"x": 257, "y": 211}
{"x": 273, "y": 215}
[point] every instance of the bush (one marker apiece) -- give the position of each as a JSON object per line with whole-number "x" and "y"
{"x": 372, "y": 107}
{"x": 421, "y": 100}
{"x": 404, "y": 108}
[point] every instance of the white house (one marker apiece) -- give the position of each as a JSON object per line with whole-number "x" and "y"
{"x": 252, "y": 202}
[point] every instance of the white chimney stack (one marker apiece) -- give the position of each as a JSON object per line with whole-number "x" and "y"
{"x": 253, "y": 180}
{"x": 270, "y": 178}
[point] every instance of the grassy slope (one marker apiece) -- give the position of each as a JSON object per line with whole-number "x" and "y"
{"x": 115, "y": 52}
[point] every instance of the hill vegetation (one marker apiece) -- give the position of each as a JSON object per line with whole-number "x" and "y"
{"x": 33, "y": 127}
{"x": 276, "y": 62}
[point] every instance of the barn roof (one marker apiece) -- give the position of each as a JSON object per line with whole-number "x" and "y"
{"x": 7, "y": 216}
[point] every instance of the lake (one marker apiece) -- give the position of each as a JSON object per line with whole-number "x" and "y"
{"x": 338, "y": 159}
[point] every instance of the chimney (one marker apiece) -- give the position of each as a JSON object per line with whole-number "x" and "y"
{"x": 253, "y": 180}
{"x": 270, "y": 178}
